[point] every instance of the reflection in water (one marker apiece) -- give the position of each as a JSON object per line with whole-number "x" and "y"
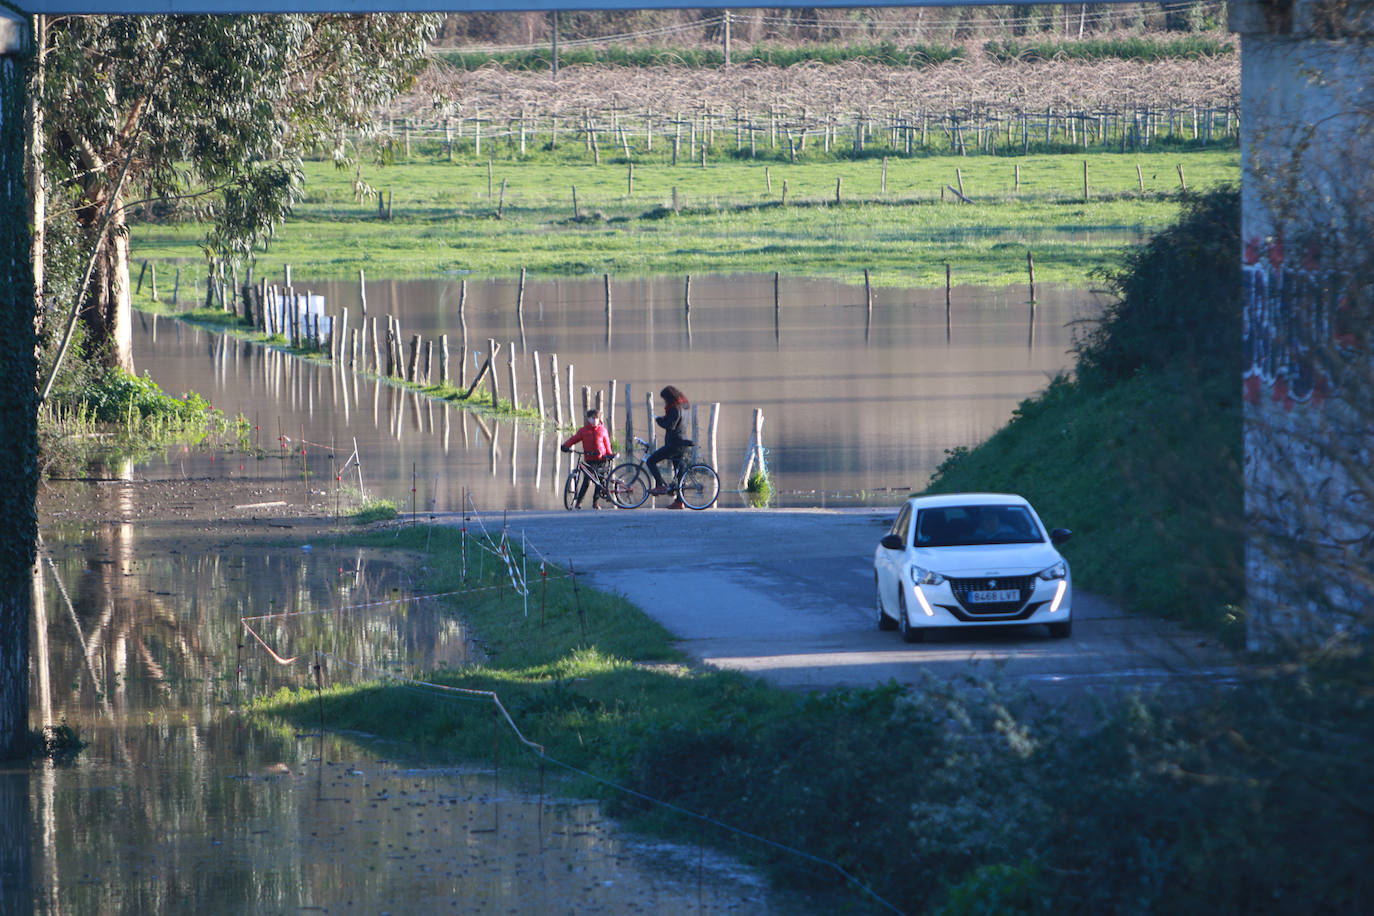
{"x": 180, "y": 804}
{"x": 853, "y": 403}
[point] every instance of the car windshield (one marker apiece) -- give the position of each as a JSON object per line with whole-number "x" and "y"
{"x": 965, "y": 526}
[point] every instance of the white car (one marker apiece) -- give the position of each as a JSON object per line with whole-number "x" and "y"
{"x": 971, "y": 560}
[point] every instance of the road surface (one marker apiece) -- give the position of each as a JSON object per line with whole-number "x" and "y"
{"x": 787, "y": 594}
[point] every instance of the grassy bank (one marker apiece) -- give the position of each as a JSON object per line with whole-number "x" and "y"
{"x": 448, "y": 218}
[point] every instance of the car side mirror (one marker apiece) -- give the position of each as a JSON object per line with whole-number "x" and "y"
{"x": 893, "y": 542}
{"x": 1060, "y": 535}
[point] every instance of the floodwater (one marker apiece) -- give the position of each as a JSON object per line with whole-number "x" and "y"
{"x": 855, "y": 405}
{"x": 182, "y": 804}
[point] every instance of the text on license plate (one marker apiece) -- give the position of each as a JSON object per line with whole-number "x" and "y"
{"x": 988, "y": 596}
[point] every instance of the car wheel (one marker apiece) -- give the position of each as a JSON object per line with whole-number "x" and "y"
{"x": 909, "y": 633}
{"x": 884, "y": 622}
{"x": 1062, "y": 630}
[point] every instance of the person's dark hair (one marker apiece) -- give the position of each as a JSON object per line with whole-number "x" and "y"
{"x": 592, "y": 414}
{"x": 673, "y": 396}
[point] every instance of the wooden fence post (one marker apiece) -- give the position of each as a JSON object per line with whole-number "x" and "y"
{"x": 557, "y": 394}
{"x": 573, "y": 420}
{"x": 412, "y": 372}
{"x": 609, "y": 418}
{"x": 492, "y": 348}
{"x": 538, "y": 385}
{"x": 711, "y": 428}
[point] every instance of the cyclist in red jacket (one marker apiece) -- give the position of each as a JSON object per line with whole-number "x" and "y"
{"x": 596, "y": 449}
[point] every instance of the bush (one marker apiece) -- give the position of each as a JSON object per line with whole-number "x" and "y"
{"x": 1141, "y": 49}
{"x": 118, "y": 396}
{"x": 1177, "y": 301}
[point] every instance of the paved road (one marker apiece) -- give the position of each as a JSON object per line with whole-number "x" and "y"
{"x": 788, "y": 594}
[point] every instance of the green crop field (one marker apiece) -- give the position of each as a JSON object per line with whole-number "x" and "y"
{"x": 491, "y": 218}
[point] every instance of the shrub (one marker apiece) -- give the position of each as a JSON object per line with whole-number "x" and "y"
{"x": 117, "y": 396}
{"x": 1177, "y": 300}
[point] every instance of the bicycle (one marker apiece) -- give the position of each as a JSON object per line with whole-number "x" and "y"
{"x": 584, "y": 469}
{"x": 695, "y": 483}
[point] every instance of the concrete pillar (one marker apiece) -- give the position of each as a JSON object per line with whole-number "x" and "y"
{"x": 18, "y": 410}
{"x": 1307, "y": 81}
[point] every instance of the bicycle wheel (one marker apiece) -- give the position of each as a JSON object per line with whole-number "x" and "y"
{"x": 699, "y": 487}
{"x": 570, "y": 488}
{"x": 628, "y": 486}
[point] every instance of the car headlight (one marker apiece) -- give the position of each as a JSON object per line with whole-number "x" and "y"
{"x": 1059, "y": 570}
{"x": 921, "y": 576}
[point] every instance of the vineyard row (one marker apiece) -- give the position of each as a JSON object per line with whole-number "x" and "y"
{"x": 790, "y": 135}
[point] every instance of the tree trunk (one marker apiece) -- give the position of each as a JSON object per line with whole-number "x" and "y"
{"x": 35, "y": 173}
{"x": 107, "y": 309}
{"x": 18, "y": 417}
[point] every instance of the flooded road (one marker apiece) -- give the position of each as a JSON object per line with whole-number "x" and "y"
{"x": 854, "y": 404}
{"x": 182, "y": 804}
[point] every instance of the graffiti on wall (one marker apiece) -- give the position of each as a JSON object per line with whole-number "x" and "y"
{"x": 1291, "y": 320}
{"x": 1309, "y": 447}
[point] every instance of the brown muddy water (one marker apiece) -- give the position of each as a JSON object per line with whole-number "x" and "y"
{"x": 855, "y": 407}
{"x": 182, "y": 804}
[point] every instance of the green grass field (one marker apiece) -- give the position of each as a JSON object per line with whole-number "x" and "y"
{"x": 451, "y": 217}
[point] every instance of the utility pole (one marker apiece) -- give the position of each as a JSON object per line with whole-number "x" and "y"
{"x": 727, "y": 39}
{"x": 554, "y": 14}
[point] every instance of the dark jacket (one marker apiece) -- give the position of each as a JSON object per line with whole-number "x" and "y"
{"x": 674, "y": 424}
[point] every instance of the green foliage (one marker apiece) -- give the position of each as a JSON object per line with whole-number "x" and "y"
{"x": 759, "y": 488}
{"x": 201, "y": 113}
{"x": 118, "y": 395}
{"x": 886, "y": 53}
{"x": 118, "y": 415}
{"x": 1135, "y": 48}
{"x": 213, "y": 103}
{"x": 374, "y": 510}
{"x": 1177, "y": 304}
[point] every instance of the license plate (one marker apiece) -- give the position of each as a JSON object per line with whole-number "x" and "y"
{"x": 995, "y": 595}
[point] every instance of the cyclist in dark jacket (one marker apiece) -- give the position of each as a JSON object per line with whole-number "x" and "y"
{"x": 675, "y": 441}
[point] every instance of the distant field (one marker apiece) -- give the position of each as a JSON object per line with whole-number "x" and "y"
{"x": 730, "y": 217}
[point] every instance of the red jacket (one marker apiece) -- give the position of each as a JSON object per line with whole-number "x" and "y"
{"x": 595, "y": 441}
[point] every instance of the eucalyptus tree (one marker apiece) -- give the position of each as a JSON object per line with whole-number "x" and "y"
{"x": 212, "y": 113}
{"x": 205, "y": 116}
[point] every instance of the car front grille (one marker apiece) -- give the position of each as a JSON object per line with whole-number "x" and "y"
{"x": 1024, "y": 585}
